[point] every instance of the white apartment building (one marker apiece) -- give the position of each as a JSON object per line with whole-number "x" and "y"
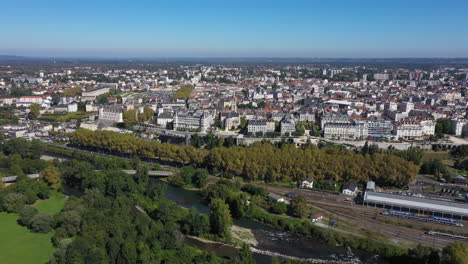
{"x": 30, "y": 100}
{"x": 459, "y": 126}
{"x": 414, "y": 129}
{"x": 255, "y": 126}
{"x": 307, "y": 115}
{"x": 334, "y": 118}
{"x": 73, "y": 107}
{"x": 201, "y": 121}
{"x": 428, "y": 127}
{"x": 345, "y": 130}
{"x": 408, "y": 130}
{"x": 164, "y": 118}
{"x": 288, "y": 126}
{"x": 111, "y": 114}
{"x": 379, "y": 128}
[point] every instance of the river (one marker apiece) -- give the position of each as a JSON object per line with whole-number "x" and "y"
{"x": 269, "y": 239}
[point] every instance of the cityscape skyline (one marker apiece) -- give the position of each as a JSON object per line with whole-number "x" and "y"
{"x": 304, "y": 29}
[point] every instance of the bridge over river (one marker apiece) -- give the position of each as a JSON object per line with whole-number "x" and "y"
{"x": 152, "y": 173}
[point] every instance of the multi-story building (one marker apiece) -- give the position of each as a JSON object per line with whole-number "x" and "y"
{"x": 408, "y": 130}
{"x": 287, "y": 126}
{"x": 200, "y": 121}
{"x": 381, "y": 76}
{"x": 407, "y": 107}
{"x": 344, "y": 130}
{"x": 379, "y": 128}
{"x": 111, "y": 114}
{"x": 414, "y": 129}
{"x": 164, "y": 118}
{"x": 428, "y": 127}
{"x": 459, "y": 126}
{"x": 30, "y": 99}
{"x": 72, "y": 107}
{"x": 307, "y": 115}
{"x": 230, "y": 120}
{"x": 263, "y": 126}
{"x": 334, "y": 118}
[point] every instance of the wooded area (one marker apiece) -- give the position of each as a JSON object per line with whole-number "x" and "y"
{"x": 262, "y": 161}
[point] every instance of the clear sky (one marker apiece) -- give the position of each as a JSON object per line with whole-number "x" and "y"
{"x": 235, "y": 28}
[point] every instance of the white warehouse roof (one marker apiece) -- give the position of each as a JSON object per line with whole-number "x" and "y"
{"x": 417, "y": 203}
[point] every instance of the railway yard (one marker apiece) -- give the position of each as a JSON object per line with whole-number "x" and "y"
{"x": 369, "y": 220}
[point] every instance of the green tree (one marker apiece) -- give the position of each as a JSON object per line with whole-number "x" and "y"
{"x": 69, "y": 221}
{"x": 298, "y": 206}
{"x": 130, "y": 117}
{"x": 436, "y": 168}
{"x": 149, "y": 112}
{"x": 279, "y": 208}
{"x": 13, "y": 202}
{"x": 245, "y": 255}
{"x": 443, "y": 126}
{"x": 51, "y": 176}
{"x": 238, "y": 205}
{"x": 200, "y": 178}
{"x": 16, "y": 170}
{"x": 455, "y": 253}
{"x": 34, "y": 110}
{"x": 220, "y": 218}
{"x": 195, "y": 223}
{"x": 42, "y": 223}
{"x": 26, "y": 214}
{"x": 460, "y": 151}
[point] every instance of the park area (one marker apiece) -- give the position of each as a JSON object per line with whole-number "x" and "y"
{"x": 18, "y": 245}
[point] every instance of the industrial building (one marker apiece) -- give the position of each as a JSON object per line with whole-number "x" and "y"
{"x": 416, "y": 204}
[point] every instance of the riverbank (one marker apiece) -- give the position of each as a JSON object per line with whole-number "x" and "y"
{"x": 244, "y": 235}
{"x": 275, "y": 254}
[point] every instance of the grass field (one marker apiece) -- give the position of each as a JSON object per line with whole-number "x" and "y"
{"x": 432, "y": 155}
{"x": 52, "y": 205}
{"x": 20, "y": 246}
{"x": 64, "y": 117}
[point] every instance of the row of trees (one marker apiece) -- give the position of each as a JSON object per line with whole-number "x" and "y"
{"x": 263, "y": 161}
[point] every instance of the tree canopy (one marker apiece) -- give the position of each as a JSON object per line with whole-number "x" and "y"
{"x": 262, "y": 160}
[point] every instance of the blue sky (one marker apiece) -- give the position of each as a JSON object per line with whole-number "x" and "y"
{"x": 237, "y": 28}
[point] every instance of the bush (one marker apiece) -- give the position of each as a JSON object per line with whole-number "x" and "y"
{"x": 279, "y": 208}
{"x": 42, "y": 223}
{"x": 26, "y": 214}
{"x": 13, "y": 202}
{"x": 254, "y": 190}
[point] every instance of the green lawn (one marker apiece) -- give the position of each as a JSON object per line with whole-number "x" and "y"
{"x": 431, "y": 155}
{"x": 20, "y": 246}
{"x": 52, "y": 205}
{"x": 64, "y": 117}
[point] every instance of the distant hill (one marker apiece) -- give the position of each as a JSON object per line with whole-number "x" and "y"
{"x": 10, "y": 57}
{"x": 261, "y": 60}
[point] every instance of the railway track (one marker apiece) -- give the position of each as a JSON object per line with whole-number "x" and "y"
{"x": 363, "y": 218}
{"x": 390, "y": 231}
